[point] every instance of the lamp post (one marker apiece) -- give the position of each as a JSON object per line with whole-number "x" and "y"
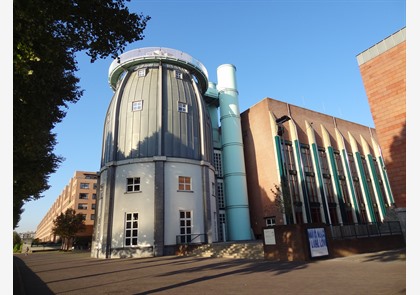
{"x": 283, "y": 177}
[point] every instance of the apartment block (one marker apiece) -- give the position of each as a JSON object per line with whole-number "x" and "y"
{"x": 80, "y": 195}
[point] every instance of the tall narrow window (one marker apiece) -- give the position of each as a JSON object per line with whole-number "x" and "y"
{"x": 185, "y": 226}
{"x": 131, "y": 229}
{"x": 182, "y": 107}
{"x": 133, "y": 184}
{"x": 184, "y": 183}
{"x": 217, "y": 159}
{"x": 137, "y": 105}
{"x": 220, "y": 195}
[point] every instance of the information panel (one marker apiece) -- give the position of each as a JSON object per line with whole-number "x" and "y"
{"x": 317, "y": 242}
{"x": 269, "y": 237}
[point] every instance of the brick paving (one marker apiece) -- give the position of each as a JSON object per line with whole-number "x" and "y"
{"x": 78, "y": 273}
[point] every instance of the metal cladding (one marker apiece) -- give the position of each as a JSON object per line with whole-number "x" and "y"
{"x": 159, "y": 82}
{"x": 237, "y": 209}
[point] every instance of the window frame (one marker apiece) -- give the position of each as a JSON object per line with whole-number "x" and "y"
{"x": 134, "y": 186}
{"x": 182, "y": 107}
{"x": 131, "y": 229}
{"x": 137, "y": 105}
{"x": 183, "y": 184}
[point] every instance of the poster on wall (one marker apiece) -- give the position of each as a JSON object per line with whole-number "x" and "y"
{"x": 269, "y": 236}
{"x": 317, "y": 242}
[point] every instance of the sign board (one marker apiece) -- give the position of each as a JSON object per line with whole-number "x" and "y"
{"x": 317, "y": 242}
{"x": 269, "y": 237}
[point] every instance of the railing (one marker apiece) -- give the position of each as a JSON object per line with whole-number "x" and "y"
{"x": 347, "y": 231}
{"x": 191, "y": 239}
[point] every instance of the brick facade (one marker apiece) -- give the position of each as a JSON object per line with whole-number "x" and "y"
{"x": 384, "y": 79}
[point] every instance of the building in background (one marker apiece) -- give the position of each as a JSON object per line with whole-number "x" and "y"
{"x": 80, "y": 195}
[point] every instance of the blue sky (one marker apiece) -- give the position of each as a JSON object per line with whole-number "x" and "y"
{"x": 300, "y": 52}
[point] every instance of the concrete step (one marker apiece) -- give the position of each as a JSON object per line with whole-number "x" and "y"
{"x": 244, "y": 250}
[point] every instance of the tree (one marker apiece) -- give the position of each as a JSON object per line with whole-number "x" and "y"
{"x": 46, "y": 37}
{"x": 67, "y": 225}
{"x": 283, "y": 201}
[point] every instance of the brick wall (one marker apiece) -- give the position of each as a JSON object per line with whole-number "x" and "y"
{"x": 384, "y": 79}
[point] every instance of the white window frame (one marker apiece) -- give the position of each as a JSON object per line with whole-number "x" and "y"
{"x": 270, "y": 221}
{"x": 137, "y": 105}
{"x": 182, "y": 107}
{"x": 133, "y": 185}
{"x": 142, "y": 72}
{"x": 178, "y": 75}
{"x": 185, "y": 226}
{"x": 131, "y": 229}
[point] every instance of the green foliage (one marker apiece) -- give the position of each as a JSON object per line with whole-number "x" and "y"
{"x": 17, "y": 248}
{"x": 16, "y": 238}
{"x": 17, "y": 242}
{"x": 283, "y": 201}
{"x": 67, "y": 225}
{"x": 46, "y": 37}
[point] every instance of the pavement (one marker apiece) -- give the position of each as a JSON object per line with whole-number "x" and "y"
{"x": 77, "y": 273}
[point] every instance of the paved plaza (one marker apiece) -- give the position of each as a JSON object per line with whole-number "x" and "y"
{"x": 77, "y": 273}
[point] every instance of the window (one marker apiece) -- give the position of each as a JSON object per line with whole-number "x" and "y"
{"x": 84, "y": 185}
{"x": 95, "y": 185}
{"x": 93, "y": 206}
{"x": 182, "y": 107}
{"x": 270, "y": 221}
{"x": 93, "y": 196}
{"x": 142, "y": 72}
{"x": 184, "y": 183}
{"x": 92, "y": 216}
{"x": 133, "y": 184}
{"x": 82, "y": 206}
{"x": 84, "y": 216}
{"x": 131, "y": 229}
{"x": 222, "y": 226}
{"x": 217, "y": 158}
{"x": 83, "y": 196}
{"x": 178, "y": 74}
{"x": 220, "y": 195}
{"x": 137, "y": 105}
{"x": 185, "y": 226}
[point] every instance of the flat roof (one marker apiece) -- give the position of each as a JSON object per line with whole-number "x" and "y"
{"x": 382, "y": 46}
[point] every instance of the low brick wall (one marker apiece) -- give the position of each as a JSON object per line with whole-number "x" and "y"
{"x": 291, "y": 243}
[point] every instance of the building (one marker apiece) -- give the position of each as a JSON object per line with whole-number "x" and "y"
{"x": 80, "y": 195}
{"x": 328, "y": 170}
{"x": 181, "y": 165}
{"x": 158, "y": 180}
{"x": 382, "y": 67}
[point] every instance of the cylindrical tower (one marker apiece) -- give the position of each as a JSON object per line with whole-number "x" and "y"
{"x": 156, "y": 175}
{"x": 237, "y": 209}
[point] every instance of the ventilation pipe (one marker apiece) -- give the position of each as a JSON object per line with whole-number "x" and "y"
{"x": 236, "y": 195}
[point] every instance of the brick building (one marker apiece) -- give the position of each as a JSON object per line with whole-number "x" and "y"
{"x": 383, "y": 71}
{"x": 330, "y": 168}
{"x": 80, "y": 195}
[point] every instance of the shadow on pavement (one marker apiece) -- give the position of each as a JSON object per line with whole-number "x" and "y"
{"x": 37, "y": 286}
